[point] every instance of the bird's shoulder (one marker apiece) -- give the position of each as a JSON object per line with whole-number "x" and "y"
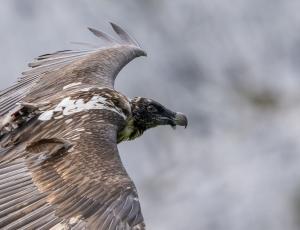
{"x": 74, "y": 105}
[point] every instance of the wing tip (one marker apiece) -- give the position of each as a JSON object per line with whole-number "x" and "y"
{"x": 101, "y": 35}
{"x": 143, "y": 53}
{"x": 92, "y": 30}
{"x": 123, "y": 34}
{"x": 126, "y": 39}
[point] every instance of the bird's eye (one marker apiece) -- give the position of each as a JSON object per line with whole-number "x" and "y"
{"x": 151, "y": 109}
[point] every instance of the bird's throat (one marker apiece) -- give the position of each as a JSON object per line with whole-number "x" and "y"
{"x": 129, "y": 132}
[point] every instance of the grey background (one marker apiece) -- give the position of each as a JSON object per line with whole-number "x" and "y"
{"x": 231, "y": 66}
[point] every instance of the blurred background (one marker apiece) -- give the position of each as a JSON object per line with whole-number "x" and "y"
{"x": 232, "y": 66}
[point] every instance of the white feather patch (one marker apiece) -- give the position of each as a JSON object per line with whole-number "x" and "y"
{"x": 74, "y": 220}
{"x": 71, "y": 85}
{"x": 46, "y": 116}
{"x": 68, "y": 106}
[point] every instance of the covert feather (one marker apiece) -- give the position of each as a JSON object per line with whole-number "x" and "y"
{"x": 59, "y": 129}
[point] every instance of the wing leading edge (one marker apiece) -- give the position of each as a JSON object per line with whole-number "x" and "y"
{"x": 65, "y": 172}
{"x": 49, "y": 73}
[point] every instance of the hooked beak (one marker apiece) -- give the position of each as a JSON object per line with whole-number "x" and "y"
{"x": 181, "y": 120}
{"x": 173, "y": 119}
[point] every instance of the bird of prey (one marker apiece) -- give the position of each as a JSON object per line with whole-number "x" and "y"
{"x": 59, "y": 129}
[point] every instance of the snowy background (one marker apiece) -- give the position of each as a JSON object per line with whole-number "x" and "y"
{"x": 232, "y": 66}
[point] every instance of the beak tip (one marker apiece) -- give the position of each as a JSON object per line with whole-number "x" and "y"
{"x": 181, "y": 119}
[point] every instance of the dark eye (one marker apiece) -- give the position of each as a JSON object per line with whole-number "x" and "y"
{"x": 151, "y": 109}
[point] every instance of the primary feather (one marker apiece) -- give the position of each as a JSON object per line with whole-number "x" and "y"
{"x": 59, "y": 129}
{"x": 64, "y": 172}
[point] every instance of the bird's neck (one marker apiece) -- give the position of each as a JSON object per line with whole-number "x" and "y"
{"x": 130, "y": 131}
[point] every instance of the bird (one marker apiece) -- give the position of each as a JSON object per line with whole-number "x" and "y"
{"x": 60, "y": 125}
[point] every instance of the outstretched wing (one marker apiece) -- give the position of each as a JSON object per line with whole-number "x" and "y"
{"x": 66, "y": 173}
{"x": 50, "y": 73}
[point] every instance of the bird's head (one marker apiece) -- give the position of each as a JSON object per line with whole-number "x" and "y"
{"x": 146, "y": 114}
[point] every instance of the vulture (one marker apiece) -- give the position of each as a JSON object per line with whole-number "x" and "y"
{"x": 60, "y": 124}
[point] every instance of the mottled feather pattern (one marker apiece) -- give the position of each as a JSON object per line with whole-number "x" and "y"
{"x": 51, "y": 72}
{"x": 78, "y": 180}
{"x": 65, "y": 172}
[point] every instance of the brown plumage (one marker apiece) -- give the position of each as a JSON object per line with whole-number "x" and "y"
{"x": 59, "y": 129}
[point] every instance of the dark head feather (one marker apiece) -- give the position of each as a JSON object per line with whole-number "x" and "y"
{"x": 146, "y": 114}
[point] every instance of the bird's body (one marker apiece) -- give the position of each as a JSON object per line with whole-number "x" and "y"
{"x": 59, "y": 129}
